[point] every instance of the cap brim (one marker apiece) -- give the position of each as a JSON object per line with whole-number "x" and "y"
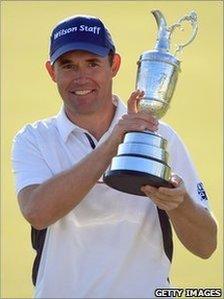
{"x": 79, "y": 46}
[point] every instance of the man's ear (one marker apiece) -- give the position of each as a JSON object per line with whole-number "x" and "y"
{"x": 50, "y": 69}
{"x": 116, "y": 64}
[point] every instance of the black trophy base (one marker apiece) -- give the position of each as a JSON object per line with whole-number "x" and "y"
{"x": 130, "y": 181}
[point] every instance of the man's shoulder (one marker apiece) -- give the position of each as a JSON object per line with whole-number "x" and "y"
{"x": 170, "y": 134}
{"x": 38, "y": 127}
{"x": 166, "y": 130}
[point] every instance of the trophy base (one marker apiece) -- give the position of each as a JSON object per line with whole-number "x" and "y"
{"x": 130, "y": 181}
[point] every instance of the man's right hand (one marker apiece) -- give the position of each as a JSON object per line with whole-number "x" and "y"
{"x": 133, "y": 120}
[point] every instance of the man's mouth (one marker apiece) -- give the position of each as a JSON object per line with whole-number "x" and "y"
{"x": 83, "y": 92}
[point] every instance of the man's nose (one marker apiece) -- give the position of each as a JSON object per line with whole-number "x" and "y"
{"x": 81, "y": 76}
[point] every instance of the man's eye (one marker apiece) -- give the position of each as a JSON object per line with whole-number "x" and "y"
{"x": 68, "y": 66}
{"x": 93, "y": 64}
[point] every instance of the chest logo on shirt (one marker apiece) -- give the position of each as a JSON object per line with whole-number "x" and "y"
{"x": 201, "y": 192}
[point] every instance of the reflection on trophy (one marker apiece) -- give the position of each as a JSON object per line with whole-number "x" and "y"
{"x": 142, "y": 158}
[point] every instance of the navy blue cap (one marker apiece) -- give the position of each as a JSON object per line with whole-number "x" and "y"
{"x": 80, "y": 32}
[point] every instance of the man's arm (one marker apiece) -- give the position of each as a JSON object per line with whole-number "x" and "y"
{"x": 44, "y": 204}
{"x": 193, "y": 224}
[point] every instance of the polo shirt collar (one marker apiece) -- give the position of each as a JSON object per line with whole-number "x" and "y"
{"x": 66, "y": 127}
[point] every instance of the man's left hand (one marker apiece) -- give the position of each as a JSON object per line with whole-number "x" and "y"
{"x": 167, "y": 198}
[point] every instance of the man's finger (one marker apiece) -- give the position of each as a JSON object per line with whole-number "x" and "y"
{"x": 176, "y": 181}
{"x": 133, "y": 101}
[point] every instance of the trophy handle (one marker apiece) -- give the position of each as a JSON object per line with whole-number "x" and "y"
{"x": 193, "y": 19}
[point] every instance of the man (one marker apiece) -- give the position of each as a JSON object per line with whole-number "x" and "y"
{"x": 93, "y": 241}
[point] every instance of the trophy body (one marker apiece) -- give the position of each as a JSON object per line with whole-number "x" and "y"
{"x": 142, "y": 158}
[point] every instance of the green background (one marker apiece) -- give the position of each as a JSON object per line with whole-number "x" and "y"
{"x": 28, "y": 94}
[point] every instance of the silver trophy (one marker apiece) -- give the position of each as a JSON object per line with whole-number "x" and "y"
{"x": 142, "y": 158}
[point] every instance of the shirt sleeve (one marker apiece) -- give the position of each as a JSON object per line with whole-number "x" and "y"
{"x": 28, "y": 165}
{"x": 181, "y": 164}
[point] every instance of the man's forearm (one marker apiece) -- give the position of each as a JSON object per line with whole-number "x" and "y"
{"x": 195, "y": 227}
{"x": 57, "y": 196}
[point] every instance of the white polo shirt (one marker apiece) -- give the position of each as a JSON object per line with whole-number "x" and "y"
{"x": 112, "y": 244}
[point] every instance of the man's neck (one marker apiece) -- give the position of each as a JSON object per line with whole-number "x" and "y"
{"x": 96, "y": 124}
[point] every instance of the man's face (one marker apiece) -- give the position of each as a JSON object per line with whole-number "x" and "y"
{"x": 84, "y": 80}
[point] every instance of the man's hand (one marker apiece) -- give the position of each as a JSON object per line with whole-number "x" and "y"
{"x": 133, "y": 120}
{"x": 167, "y": 198}
{"x": 193, "y": 224}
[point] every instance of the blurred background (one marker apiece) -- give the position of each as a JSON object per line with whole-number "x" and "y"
{"x": 28, "y": 94}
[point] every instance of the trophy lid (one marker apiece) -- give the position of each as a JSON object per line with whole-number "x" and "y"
{"x": 161, "y": 51}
